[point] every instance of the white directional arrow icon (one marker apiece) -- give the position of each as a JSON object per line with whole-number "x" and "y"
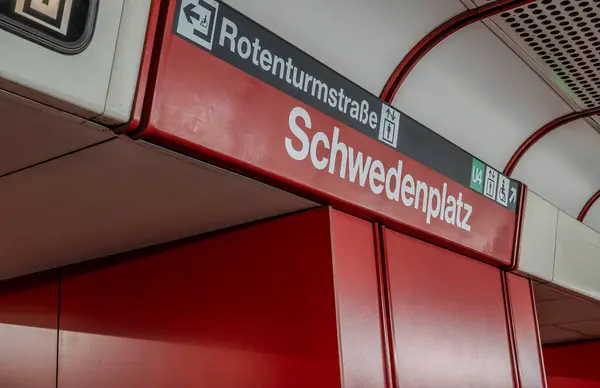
{"x": 196, "y": 21}
{"x": 513, "y": 195}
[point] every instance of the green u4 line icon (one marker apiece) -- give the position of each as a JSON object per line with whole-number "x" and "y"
{"x": 477, "y": 171}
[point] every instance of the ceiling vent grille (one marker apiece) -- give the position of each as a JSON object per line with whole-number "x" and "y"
{"x": 561, "y": 40}
{"x": 564, "y": 34}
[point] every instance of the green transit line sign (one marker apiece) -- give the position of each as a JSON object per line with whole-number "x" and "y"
{"x": 477, "y": 170}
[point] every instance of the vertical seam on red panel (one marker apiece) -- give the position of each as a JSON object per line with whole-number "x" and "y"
{"x": 57, "y": 324}
{"x": 510, "y": 324}
{"x": 387, "y": 328}
{"x": 335, "y": 296}
{"x": 519, "y": 229}
{"x": 537, "y": 335}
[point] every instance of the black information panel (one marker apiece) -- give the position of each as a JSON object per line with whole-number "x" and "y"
{"x": 65, "y": 26}
{"x": 212, "y": 25}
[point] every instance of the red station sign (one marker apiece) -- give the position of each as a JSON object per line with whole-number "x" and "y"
{"x": 232, "y": 92}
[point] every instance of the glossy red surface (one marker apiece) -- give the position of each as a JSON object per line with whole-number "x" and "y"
{"x": 571, "y": 382}
{"x": 252, "y": 307}
{"x": 573, "y": 366}
{"x": 290, "y": 302}
{"x": 228, "y": 117}
{"x": 448, "y": 318}
{"x": 28, "y": 331}
{"x": 145, "y": 78}
{"x": 357, "y": 301}
{"x": 526, "y": 334}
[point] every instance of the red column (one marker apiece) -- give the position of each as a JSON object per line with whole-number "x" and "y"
{"x": 526, "y": 334}
{"x": 297, "y": 301}
{"x": 357, "y": 295}
{"x": 448, "y": 317}
{"x": 283, "y": 303}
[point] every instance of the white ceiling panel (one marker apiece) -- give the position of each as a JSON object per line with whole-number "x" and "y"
{"x": 31, "y": 133}
{"x": 119, "y": 196}
{"x": 563, "y": 311}
{"x": 553, "y": 334}
{"x": 589, "y": 328}
{"x": 563, "y": 317}
{"x": 364, "y": 41}
{"x": 475, "y": 92}
{"x": 564, "y": 166}
{"x": 544, "y": 293}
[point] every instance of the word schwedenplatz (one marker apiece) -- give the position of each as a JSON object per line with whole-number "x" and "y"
{"x": 349, "y": 164}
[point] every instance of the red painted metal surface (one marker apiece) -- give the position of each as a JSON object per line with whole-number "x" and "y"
{"x": 388, "y": 337}
{"x": 252, "y": 307}
{"x": 448, "y": 316}
{"x": 588, "y": 205}
{"x": 511, "y": 333}
{"x": 28, "y": 331}
{"x": 542, "y": 132}
{"x": 357, "y": 301}
{"x": 527, "y": 342}
{"x": 571, "y": 382}
{"x": 573, "y": 365}
{"x": 145, "y": 80}
{"x": 436, "y": 36}
{"x": 223, "y": 115}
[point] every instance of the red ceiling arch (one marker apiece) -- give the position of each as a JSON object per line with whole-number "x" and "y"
{"x": 448, "y": 28}
{"x": 438, "y": 35}
{"x": 543, "y": 131}
{"x": 588, "y": 205}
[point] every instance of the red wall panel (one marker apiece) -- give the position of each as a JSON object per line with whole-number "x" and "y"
{"x": 253, "y": 307}
{"x": 448, "y": 318}
{"x": 571, "y": 382}
{"x": 525, "y": 331}
{"x": 290, "y": 302}
{"x": 573, "y": 365}
{"x": 28, "y": 331}
{"x": 357, "y": 291}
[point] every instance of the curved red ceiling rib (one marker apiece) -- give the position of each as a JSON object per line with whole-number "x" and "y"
{"x": 588, "y": 205}
{"x": 543, "y": 131}
{"x": 438, "y": 35}
{"x": 448, "y": 28}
